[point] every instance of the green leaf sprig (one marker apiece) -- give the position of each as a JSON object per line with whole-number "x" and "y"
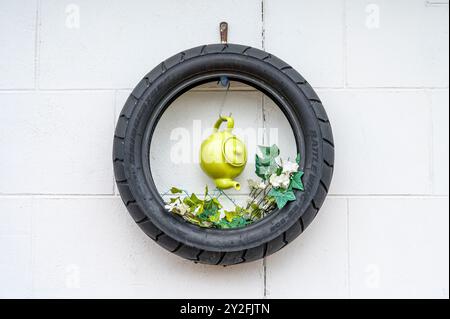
{"x": 279, "y": 182}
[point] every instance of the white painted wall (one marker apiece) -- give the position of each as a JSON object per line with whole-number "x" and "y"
{"x": 381, "y": 68}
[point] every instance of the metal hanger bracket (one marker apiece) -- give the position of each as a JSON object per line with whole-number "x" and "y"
{"x": 223, "y": 28}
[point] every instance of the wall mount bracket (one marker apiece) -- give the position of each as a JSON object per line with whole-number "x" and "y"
{"x": 223, "y": 28}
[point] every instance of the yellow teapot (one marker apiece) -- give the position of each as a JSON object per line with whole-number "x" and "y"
{"x": 223, "y": 156}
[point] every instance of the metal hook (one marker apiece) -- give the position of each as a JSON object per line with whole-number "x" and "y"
{"x": 223, "y": 28}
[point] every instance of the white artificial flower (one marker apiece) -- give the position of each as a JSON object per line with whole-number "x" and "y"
{"x": 285, "y": 181}
{"x": 177, "y": 207}
{"x": 196, "y": 210}
{"x": 280, "y": 181}
{"x": 290, "y": 167}
{"x": 274, "y": 180}
{"x": 171, "y": 207}
{"x": 262, "y": 185}
{"x": 222, "y": 214}
{"x": 256, "y": 185}
{"x": 183, "y": 209}
{"x": 252, "y": 184}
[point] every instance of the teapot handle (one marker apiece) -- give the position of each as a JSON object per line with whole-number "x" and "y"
{"x": 228, "y": 119}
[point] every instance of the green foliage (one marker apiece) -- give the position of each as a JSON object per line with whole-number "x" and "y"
{"x": 282, "y": 197}
{"x": 237, "y": 212}
{"x": 175, "y": 190}
{"x": 195, "y": 199}
{"x": 266, "y": 165}
{"x": 234, "y": 223}
{"x": 296, "y": 181}
{"x": 215, "y": 217}
{"x": 207, "y": 212}
{"x": 255, "y": 211}
{"x": 270, "y": 151}
{"x": 210, "y": 208}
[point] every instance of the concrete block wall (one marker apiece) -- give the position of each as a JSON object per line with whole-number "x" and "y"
{"x": 380, "y": 67}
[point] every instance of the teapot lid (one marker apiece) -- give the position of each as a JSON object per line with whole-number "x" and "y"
{"x": 233, "y": 149}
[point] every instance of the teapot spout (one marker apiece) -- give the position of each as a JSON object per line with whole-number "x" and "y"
{"x": 225, "y": 183}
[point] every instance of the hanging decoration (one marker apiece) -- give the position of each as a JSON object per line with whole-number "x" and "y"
{"x": 277, "y": 193}
{"x": 279, "y": 179}
{"x": 223, "y": 155}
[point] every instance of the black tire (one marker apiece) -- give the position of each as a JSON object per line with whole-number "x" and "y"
{"x": 153, "y": 95}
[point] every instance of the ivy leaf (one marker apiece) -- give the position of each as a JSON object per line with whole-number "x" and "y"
{"x": 208, "y": 212}
{"x": 238, "y": 212}
{"x": 188, "y": 202}
{"x": 264, "y": 171}
{"x": 210, "y": 208}
{"x": 256, "y": 211}
{"x": 230, "y": 215}
{"x": 266, "y": 165}
{"x": 215, "y": 217}
{"x": 282, "y": 197}
{"x": 194, "y": 203}
{"x": 263, "y": 161}
{"x": 216, "y": 202}
{"x": 296, "y": 181}
{"x": 175, "y": 190}
{"x": 238, "y": 222}
{"x": 195, "y": 199}
{"x": 279, "y": 170}
{"x": 223, "y": 224}
{"x": 270, "y": 151}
